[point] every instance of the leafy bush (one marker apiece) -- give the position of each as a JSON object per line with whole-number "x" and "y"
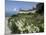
{"x": 28, "y": 23}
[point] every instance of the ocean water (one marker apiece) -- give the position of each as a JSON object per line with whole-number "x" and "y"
{"x": 10, "y": 13}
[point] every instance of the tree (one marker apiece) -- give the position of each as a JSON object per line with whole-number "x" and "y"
{"x": 40, "y": 8}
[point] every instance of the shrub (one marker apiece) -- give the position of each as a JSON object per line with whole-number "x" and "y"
{"x": 26, "y": 23}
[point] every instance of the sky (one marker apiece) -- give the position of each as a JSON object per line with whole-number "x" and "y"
{"x": 11, "y": 6}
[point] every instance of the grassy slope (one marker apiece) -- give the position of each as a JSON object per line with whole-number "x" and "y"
{"x": 30, "y": 21}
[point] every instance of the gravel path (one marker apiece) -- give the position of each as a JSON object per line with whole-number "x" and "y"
{"x": 7, "y": 30}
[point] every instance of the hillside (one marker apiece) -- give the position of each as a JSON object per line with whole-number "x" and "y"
{"x": 26, "y": 23}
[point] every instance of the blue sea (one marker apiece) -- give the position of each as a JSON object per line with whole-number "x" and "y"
{"x": 10, "y": 13}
